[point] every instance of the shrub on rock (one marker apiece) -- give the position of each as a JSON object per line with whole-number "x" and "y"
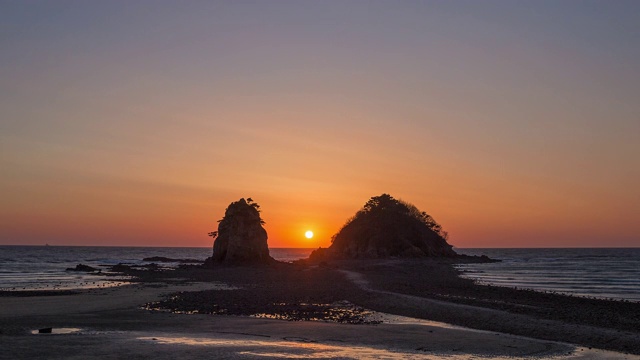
{"x": 387, "y": 227}
{"x": 240, "y": 237}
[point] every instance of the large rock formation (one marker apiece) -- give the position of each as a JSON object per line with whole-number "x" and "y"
{"x": 240, "y": 236}
{"x": 386, "y": 227}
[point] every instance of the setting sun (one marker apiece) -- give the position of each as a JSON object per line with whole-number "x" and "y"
{"x": 308, "y": 234}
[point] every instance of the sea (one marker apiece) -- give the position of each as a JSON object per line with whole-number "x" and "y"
{"x": 610, "y": 273}
{"x": 605, "y": 273}
{"x": 45, "y": 267}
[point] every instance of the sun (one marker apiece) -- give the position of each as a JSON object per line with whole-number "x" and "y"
{"x": 308, "y": 234}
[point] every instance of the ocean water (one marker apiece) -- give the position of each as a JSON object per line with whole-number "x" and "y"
{"x": 609, "y": 273}
{"x": 44, "y": 267}
{"x": 601, "y": 273}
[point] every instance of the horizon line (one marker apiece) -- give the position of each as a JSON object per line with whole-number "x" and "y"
{"x": 211, "y": 246}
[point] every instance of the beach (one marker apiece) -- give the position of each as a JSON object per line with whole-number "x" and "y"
{"x": 319, "y": 179}
{"x": 208, "y": 316}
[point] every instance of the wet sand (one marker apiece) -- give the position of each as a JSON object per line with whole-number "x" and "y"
{"x": 113, "y": 324}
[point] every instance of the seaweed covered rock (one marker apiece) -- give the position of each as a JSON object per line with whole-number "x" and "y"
{"x": 240, "y": 237}
{"x": 387, "y": 227}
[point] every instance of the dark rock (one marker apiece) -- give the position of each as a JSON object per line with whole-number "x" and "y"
{"x": 475, "y": 259}
{"x": 321, "y": 255}
{"x": 30, "y": 293}
{"x": 45, "y": 330}
{"x": 82, "y": 267}
{"x": 166, "y": 259}
{"x": 152, "y": 266}
{"x": 190, "y": 266}
{"x": 240, "y": 236}
{"x": 120, "y": 268}
{"x": 208, "y": 263}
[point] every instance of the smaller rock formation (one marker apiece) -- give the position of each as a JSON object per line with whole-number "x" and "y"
{"x": 172, "y": 260}
{"x": 83, "y": 267}
{"x": 240, "y": 238}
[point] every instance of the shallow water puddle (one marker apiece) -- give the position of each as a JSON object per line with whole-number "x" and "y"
{"x": 308, "y": 349}
{"x": 55, "y": 331}
{"x": 303, "y": 348}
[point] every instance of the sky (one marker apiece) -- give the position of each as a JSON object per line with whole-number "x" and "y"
{"x": 512, "y": 123}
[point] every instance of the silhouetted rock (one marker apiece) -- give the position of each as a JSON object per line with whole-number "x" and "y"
{"x": 240, "y": 236}
{"x": 166, "y": 259}
{"x": 45, "y": 330}
{"x": 82, "y": 267}
{"x": 120, "y": 268}
{"x": 462, "y": 259}
{"x": 386, "y": 227}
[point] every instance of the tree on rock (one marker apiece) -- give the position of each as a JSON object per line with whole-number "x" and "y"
{"x": 387, "y": 227}
{"x": 240, "y": 237}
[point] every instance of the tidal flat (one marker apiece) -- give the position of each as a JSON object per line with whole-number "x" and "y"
{"x": 340, "y": 309}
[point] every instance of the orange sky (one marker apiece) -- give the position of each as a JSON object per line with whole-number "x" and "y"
{"x": 512, "y": 128}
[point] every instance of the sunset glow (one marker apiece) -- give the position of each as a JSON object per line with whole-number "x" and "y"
{"x": 512, "y": 126}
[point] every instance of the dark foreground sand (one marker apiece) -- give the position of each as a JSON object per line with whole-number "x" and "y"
{"x": 111, "y": 324}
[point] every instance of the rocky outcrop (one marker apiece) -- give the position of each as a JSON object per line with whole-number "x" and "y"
{"x": 240, "y": 238}
{"x": 82, "y": 267}
{"x": 386, "y": 227}
{"x": 172, "y": 260}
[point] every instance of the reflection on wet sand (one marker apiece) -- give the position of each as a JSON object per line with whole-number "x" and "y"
{"x": 56, "y": 331}
{"x": 302, "y": 348}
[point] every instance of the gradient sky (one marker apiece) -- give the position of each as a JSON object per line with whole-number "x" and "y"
{"x": 513, "y": 123}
